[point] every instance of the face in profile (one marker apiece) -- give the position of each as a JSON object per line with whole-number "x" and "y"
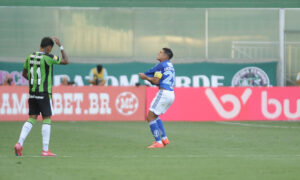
{"x": 161, "y": 55}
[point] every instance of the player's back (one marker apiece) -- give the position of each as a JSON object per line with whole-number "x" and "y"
{"x": 168, "y": 76}
{"x": 40, "y": 71}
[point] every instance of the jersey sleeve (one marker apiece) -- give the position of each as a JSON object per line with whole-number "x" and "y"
{"x": 52, "y": 59}
{"x": 151, "y": 72}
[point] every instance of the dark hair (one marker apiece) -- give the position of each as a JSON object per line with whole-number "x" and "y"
{"x": 47, "y": 41}
{"x": 99, "y": 68}
{"x": 168, "y": 52}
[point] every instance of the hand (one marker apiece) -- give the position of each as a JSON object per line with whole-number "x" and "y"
{"x": 56, "y": 40}
{"x": 142, "y": 76}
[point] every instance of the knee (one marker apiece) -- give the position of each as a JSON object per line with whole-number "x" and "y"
{"x": 47, "y": 121}
{"x": 32, "y": 120}
{"x": 149, "y": 119}
{"x": 151, "y": 116}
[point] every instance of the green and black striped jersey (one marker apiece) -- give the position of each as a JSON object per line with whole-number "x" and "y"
{"x": 40, "y": 71}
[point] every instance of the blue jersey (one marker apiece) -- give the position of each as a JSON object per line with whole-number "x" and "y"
{"x": 165, "y": 72}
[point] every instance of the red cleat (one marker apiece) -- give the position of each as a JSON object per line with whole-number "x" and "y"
{"x": 47, "y": 153}
{"x": 18, "y": 149}
{"x": 156, "y": 145}
{"x": 165, "y": 141}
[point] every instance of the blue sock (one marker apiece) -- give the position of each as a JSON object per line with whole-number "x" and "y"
{"x": 155, "y": 130}
{"x": 161, "y": 127}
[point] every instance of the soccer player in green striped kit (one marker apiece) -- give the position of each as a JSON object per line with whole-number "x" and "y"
{"x": 38, "y": 70}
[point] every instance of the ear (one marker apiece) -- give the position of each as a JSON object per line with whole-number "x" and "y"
{"x": 166, "y": 56}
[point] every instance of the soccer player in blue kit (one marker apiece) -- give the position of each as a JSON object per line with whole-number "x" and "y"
{"x": 163, "y": 75}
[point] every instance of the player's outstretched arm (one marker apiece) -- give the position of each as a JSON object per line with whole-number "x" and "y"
{"x": 65, "y": 58}
{"x": 153, "y": 80}
{"x": 25, "y": 74}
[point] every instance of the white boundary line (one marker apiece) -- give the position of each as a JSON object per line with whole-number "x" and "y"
{"x": 256, "y": 125}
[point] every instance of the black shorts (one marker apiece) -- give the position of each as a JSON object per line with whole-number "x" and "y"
{"x": 40, "y": 103}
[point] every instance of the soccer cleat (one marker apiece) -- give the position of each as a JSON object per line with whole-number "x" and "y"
{"x": 156, "y": 145}
{"x": 18, "y": 149}
{"x": 165, "y": 141}
{"x": 47, "y": 153}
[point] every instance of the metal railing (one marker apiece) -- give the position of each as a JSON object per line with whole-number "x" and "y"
{"x": 259, "y": 50}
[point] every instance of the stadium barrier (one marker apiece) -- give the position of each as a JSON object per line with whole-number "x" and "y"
{"x": 131, "y": 103}
{"x": 84, "y": 103}
{"x": 233, "y": 103}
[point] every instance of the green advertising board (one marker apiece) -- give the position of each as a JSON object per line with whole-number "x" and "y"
{"x": 187, "y": 75}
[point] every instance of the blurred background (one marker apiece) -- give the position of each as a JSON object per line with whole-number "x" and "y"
{"x": 120, "y": 32}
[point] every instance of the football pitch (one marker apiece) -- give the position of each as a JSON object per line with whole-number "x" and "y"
{"x": 117, "y": 150}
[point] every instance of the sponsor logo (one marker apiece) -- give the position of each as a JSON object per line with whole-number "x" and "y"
{"x": 272, "y": 108}
{"x": 13, "y": 104}
{"x": 127, "y": 103}
{"x": 250, "y": 76}
{"x": 228, "y": 98}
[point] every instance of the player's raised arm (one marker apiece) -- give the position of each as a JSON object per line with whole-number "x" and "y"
{"x": 65, "y": 58}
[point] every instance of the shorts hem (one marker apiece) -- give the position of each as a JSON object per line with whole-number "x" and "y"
{"x": 155, "y": 112}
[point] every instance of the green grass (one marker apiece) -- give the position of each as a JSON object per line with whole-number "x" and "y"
{"x": 116, "y": 150}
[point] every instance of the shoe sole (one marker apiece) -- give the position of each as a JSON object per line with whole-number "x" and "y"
{"x": 166, "y": 143}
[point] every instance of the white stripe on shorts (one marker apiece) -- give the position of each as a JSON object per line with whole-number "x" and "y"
{"x": 52, "y": 112}
{"x": 157, "y": 99}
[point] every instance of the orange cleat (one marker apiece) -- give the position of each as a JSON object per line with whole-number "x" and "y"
{"x": 47, "y": 153}
{"x": 156, "y": 145}
{"x": 18, "y": 149}
{"x": 165, "y": 141}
